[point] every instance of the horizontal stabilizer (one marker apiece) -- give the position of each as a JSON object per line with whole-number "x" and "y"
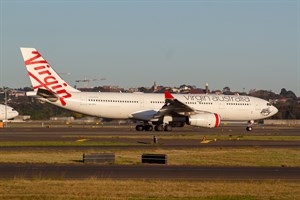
{"x": 46, "y": 94}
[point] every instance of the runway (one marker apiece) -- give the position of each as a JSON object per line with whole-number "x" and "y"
{"x": 179, "y": 138}
{"x": 130, "y": 130}
{"x": 83, "y": 171}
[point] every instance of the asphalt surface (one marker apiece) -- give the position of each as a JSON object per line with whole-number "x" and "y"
{"x": 130, "y": 130}
{"x": 83, "y": 171}
{"x": 145, "y": 139}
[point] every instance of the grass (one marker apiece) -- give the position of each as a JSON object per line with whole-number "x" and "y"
{"x": 148, "y": 189}
{"x": 194, "y": 137}
{"x": 219, "y": 157}
{"x": 201, "y": 157}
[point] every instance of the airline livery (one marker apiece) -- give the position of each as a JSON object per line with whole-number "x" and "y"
{"x": 7, "y": 112}
{"x": 158, "y": 110}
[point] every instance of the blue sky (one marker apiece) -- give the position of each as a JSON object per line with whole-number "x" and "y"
{"x": 240, "y": 44}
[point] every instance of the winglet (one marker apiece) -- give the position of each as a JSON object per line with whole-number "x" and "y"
{"x": 168, "y": 95}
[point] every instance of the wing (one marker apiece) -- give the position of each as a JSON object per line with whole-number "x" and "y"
{"x": 174, "y": 106}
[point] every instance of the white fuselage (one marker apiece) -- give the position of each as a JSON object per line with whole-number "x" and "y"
{"x": 126, "y": 105}
{"x": 7, "y": 112}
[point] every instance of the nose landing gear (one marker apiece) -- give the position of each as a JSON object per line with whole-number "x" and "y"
{"x": 249, "y": 127}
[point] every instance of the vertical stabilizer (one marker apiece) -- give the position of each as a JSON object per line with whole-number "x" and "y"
{"x": 43, "y": 76}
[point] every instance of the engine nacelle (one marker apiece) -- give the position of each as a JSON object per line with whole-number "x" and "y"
{"x": 208, "y": 120}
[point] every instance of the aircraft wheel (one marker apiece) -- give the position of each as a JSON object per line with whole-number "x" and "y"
{"x": 168, "y": 127}
{"x": 148, "y": 128}
{"x": 159, "y": 127}
{"x": 249, "y": 128}
{"x": 139, "y": 127}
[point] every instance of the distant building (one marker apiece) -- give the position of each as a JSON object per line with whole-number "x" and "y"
{"x": 218, "y": 92}
{"x": 155, "y": 87}
{"x": 133, "y": 90}
{"x": 110, "y": 88}
{"x": 197, "y": 91}
{"x": 175, "y": 90}
{"x": 283, "y": 100}
{"x": 226, "y": 91}
{"x": 18, "y": 93}
{"x": 206, "y": 88}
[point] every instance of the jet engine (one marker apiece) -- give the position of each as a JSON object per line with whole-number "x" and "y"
{"x": 208, "y": 120}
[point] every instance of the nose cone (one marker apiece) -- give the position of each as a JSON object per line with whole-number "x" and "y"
{"x": 12, "y": 114}
{"x": 15, "y": 114}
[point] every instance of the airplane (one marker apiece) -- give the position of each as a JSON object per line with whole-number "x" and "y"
{"x": 158, "y": 110}
{"x": 7, "y": 112}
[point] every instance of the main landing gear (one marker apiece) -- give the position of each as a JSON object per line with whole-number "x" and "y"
{"x": 161, "y": 127}
{"x": 148, "y": 127}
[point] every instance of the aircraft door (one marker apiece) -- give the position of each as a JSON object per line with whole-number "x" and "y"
{"x": 142, "y": 103}
{"x": 222, "y": 110}
{"x": 257, "y": 106}
{"x": 83, "y": 99}
{"x": 222, "y": 105}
